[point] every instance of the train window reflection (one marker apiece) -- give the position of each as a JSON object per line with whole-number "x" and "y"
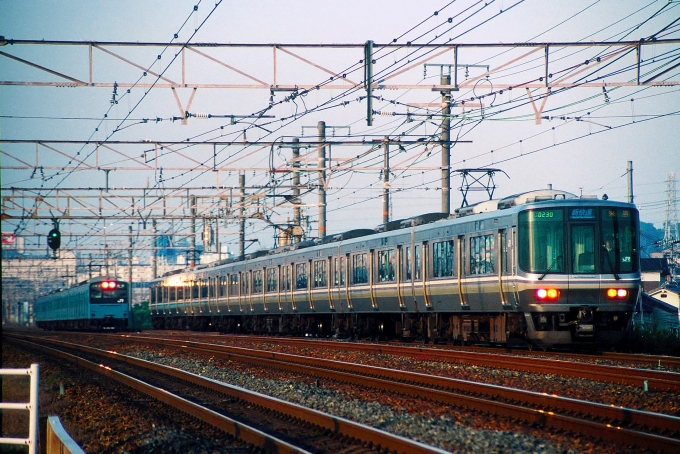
{"x": 442, "y": 258}
{"x": 359, "y": 269}
{"x": 386, "y": 265}
{"x": 320, "y": 274}
{"x": 482, "y": 254}
{"x": 301, "y": 276}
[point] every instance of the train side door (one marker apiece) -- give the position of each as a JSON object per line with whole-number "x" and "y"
{"x": 418, "y": 278}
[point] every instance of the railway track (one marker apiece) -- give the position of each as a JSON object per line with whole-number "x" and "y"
{"x": 313, "y": 431}
{"x": 655, "y": 379}
{"x": 624, "y": 426}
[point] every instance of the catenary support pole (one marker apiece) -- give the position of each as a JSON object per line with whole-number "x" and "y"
{"x": 321, "y": 164}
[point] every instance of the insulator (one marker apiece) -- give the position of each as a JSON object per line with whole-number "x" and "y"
{"x": 386, "y": 113}
{"x": 201, "y": 115}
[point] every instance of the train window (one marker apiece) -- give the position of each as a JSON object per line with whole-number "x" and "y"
{"x": 285, "y": 277}
{"x": 541, "y": 241}
{"x": 482, "y": 254}
{"x": 204, "y": 288}
{"x": 386, "y": 265}
{"x": 583, "y": 248}
{"x": 245, "y": 283}
{"x": 195, "y": 289}
{"x": 300, "y": 276}
{"x": 359, "y": 268}
{"x": 339, "y": 271}
{"x": 233, "y": 284}
{"x": 619, "y": 241}
{"x": 320, "y": 279}
{"x": 417, "y": 263}
{"x": 257, "y": 282}
{"x": 442, "y": 258}
{"x": 271, "y": 280}
{"x": 108, "y": 292}
{"x": 223, "y": 286}
{"x": 409, "y": 264}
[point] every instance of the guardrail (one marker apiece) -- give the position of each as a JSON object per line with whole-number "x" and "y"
{"x": 31, "y": 406}
{"x": 58, "y": 440}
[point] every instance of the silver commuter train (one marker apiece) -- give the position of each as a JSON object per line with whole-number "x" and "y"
{"x": 545, "y": 268}
{"x": 101, "y": 303}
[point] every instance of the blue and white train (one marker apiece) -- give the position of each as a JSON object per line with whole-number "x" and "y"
{"x": 545, "y": 268}
{"x": 101, "y": 303}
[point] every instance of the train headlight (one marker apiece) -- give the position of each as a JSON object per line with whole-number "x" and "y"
{"x": 617, "y": 293}
{"x": 109, "y": 285}
{"x": 547, "y": 294}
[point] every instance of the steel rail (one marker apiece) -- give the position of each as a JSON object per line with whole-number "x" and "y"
{"x": 446, "y": 390}
{"x": 334, "y": 424}
{"x": 656, "y": 380}
{"x": 237, "y": 429}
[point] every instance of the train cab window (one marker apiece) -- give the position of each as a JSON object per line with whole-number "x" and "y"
{"x": 320, "y": 280}
{"x": 285, "y": 278}
{"x": 360, "y": 268}
{"x": 233, "y": 284}
{"x": 108, "y": 292}
{"x": 541, "y": 241}
{"x": 300, "y": 276}
{"x": 583, "y": 248}
{"x": 386, "y": 271}
{"x": 442, "y": 258}
{"x": 271, "y": 280}
{"x": 619, "y": 250}
{"x": 257, "y": 282}
{"x": 482, "y": 251}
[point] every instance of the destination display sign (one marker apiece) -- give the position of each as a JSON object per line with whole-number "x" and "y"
{"x": 582, "y": 213}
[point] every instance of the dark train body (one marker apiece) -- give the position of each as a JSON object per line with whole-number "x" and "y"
{"x": 97, "y": 304}
{"x": 531, "y": 268}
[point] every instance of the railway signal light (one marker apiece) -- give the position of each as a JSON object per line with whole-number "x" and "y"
{"x": 54, "y": 239}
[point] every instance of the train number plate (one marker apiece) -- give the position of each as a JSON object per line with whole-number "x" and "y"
{"x": 585, "y": 327}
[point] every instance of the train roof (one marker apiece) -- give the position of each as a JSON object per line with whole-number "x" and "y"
{"x": 485, "y": 207}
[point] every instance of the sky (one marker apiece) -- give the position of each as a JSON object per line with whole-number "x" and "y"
{"x": 582, "y": 146}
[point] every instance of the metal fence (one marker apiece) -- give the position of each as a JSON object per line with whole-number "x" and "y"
{"x": 31, "y": 406}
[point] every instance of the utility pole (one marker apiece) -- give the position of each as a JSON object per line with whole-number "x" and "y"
{"x": 386, "y": 181}
{"x": 630, "y": 181}
{"x": 446, "y": 145}
{"x": 130, "y": 270}
{"x": 155, "y": 249}
{"x": 242, "y": 217}
{"x": 297, "y": 229}
{"x": 368, "y": 81}
{"x": 192, "y": 259}
{"x": 321, "y": 164}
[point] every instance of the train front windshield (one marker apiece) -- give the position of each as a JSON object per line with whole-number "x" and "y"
{"x": 108, "y": 292}
{"x": 579, "y": 240}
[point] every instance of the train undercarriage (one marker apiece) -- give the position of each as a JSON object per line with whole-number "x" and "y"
{"x": 581, "y": 327}
{"x": 432, "y": 327}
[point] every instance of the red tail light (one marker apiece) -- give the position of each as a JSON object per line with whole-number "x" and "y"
{"x": 109, "y": 285}
{"x": 547, "y": 294}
